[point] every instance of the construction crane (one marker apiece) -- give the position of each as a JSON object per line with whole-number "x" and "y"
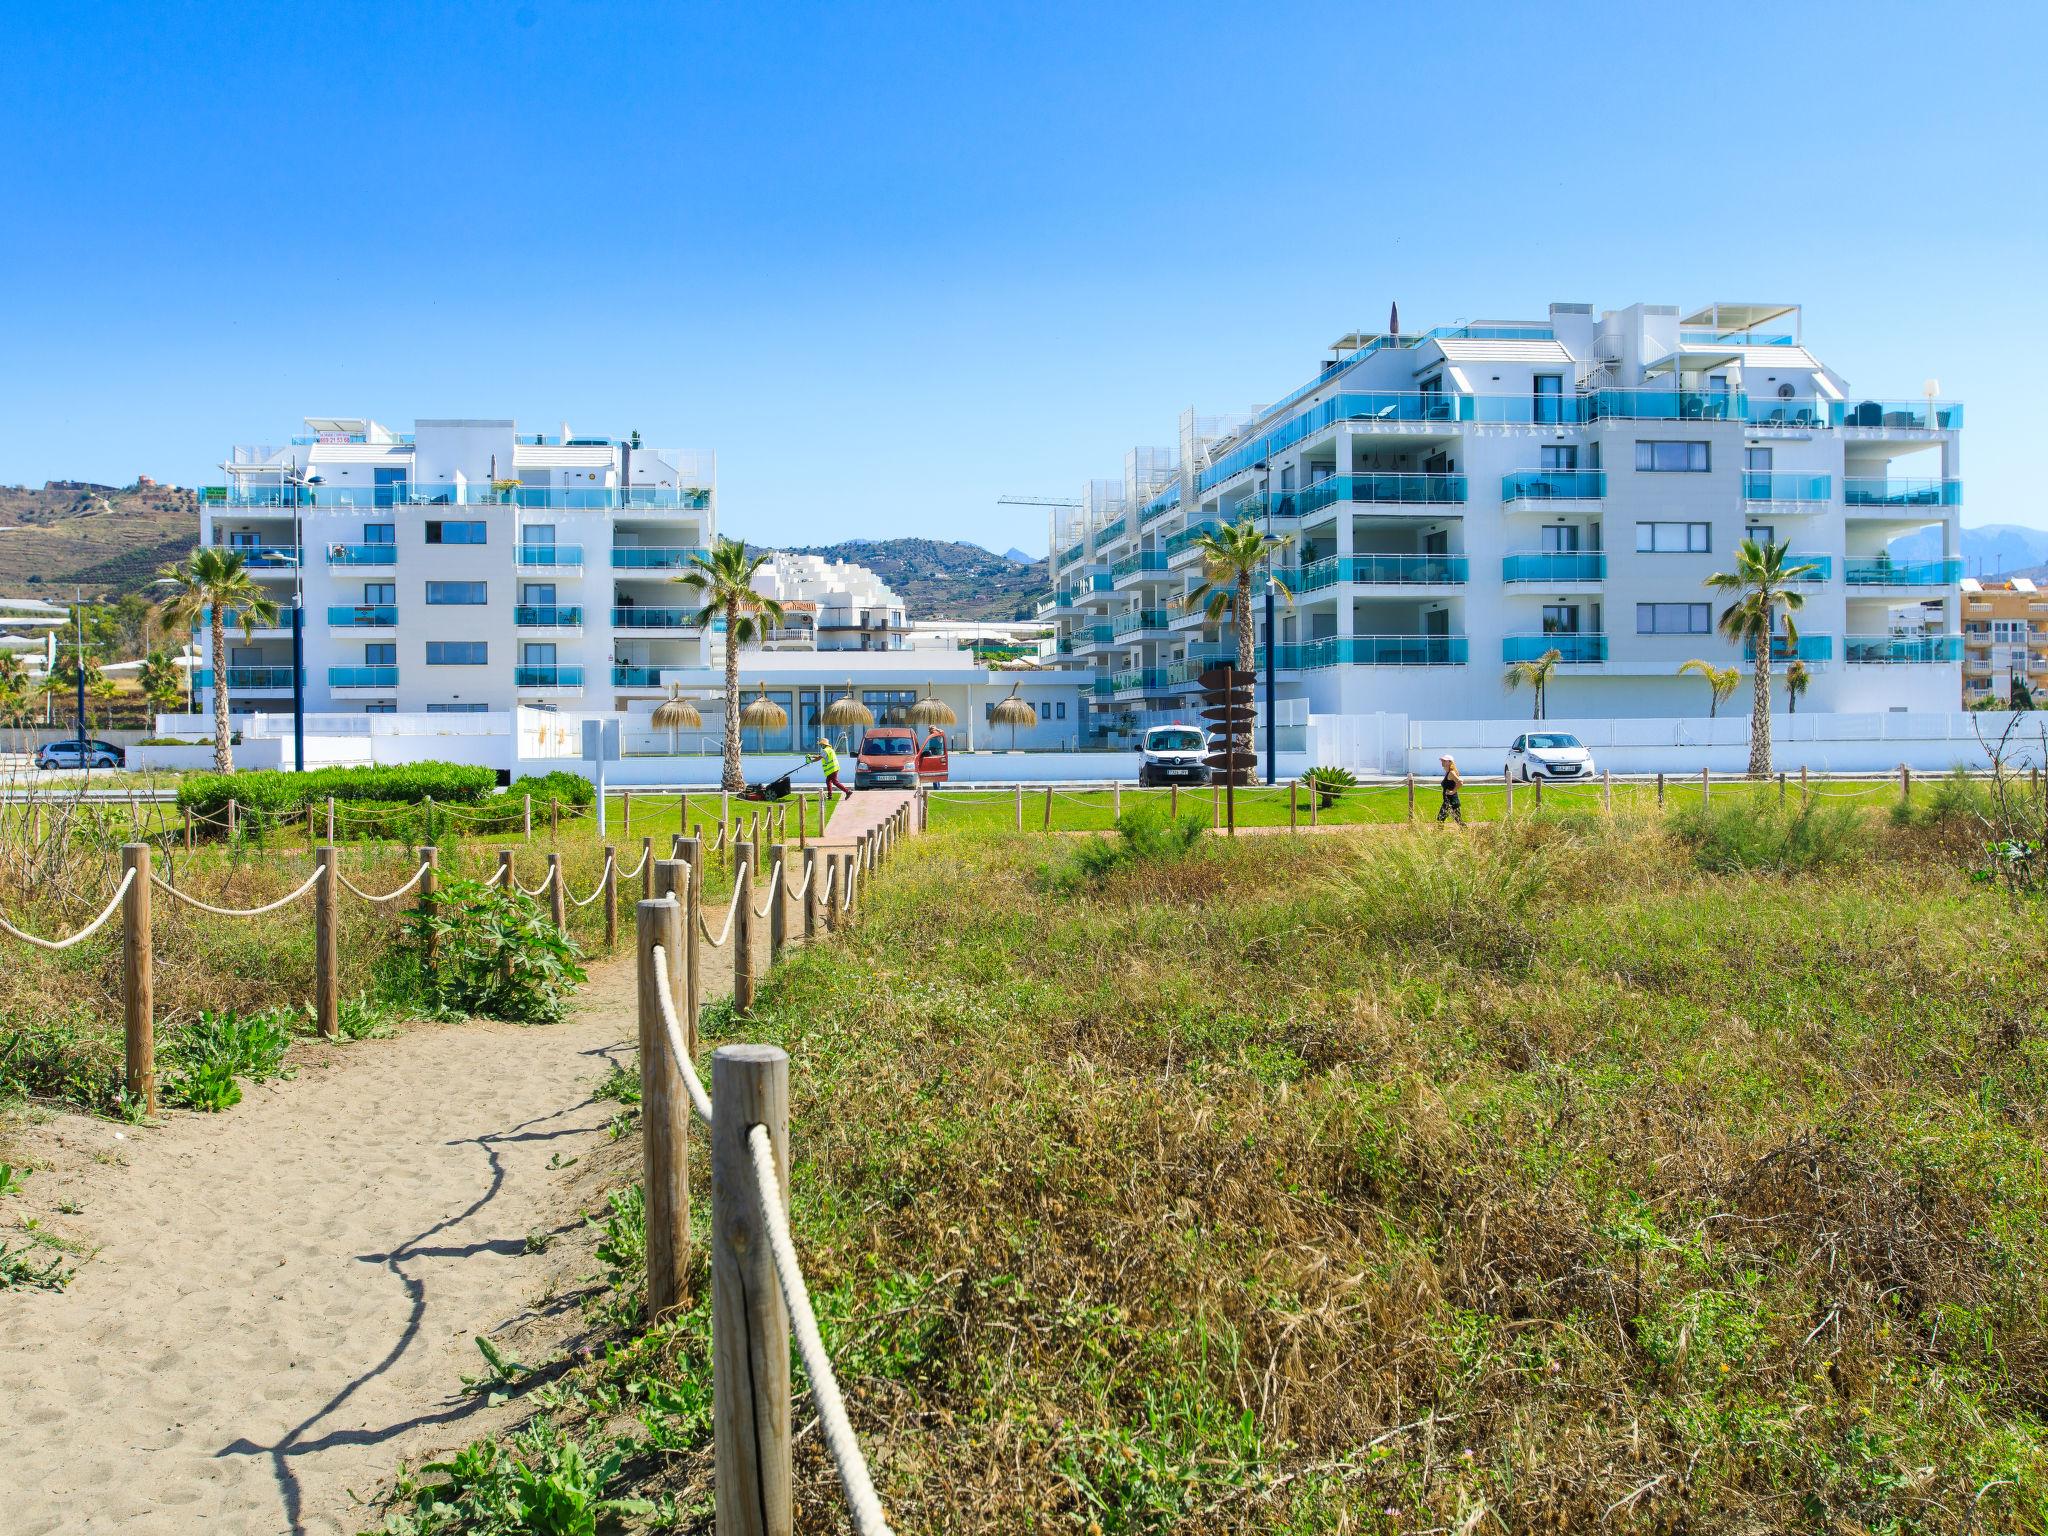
{"x": 1051, "y": 533}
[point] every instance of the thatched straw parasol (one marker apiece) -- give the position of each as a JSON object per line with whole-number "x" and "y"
{"x": 931, "y": 711}
{"x": 1014, "y": 712}
{"x": 676, "y": 713}
{"x": 846, "y": 710}
{"x": 764, "y": 714}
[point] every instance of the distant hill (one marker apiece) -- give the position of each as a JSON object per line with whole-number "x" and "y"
{"x": 1993, "y": 549}
{"x": 1018, "y": 555}
{"x": 107, "y": 540}
{"x": 941, "y": 580}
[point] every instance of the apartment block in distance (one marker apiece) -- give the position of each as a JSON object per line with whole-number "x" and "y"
{"x": 463, "y": 566}
{"x": 2005, "y": 641}
{"x": 1468, "y": 497}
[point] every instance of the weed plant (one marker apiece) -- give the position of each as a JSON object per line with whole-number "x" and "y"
{"x": 484, "y": 951}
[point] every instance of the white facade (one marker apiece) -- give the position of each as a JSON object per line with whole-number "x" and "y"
{"x": 463, "y": 566}
{"x": 1476, "y": 495}
{"x": 832, "y": 605}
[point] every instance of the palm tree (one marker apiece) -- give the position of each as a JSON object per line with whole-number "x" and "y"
{"x": 1763, "y": 582}
{"x": 725, "y": 580}
{"x": 1537, "y": 675}
{"x": 216, "y": 582}
{"x": 1796, "y": 679}
{"x": 159, "y": 680}
{"x": 1722, "y": 680}
{"x": 1231, "y": 557}
{"x": 13, "y": 672}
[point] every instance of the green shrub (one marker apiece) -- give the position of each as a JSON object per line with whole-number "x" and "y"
{"x": 207, "y": 794}
{"x": 495, "y": 954}
{"x": 569, "y": 788}
{"x": 1148, "y": 834}
{"x": 202, "y": 1059}
{"x": 1954, "y": 799}
{"x": 1763, "y": 836}
{"x": 1329, "y": 783}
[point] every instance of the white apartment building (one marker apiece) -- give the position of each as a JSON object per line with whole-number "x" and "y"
{"x": 463, "y": 566}
{"x": 1475, "y": 495}
{"x": 831, "y": 605}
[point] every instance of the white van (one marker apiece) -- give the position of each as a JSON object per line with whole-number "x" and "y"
{"x": 1172, "y": 754}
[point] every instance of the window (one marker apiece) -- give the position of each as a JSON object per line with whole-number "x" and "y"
{"x": 1671, "y": 457}
{"x": 380, "y": 533}
{"x": 532, "y": 534}
{"x": 1558, "y": 457}
{"x": 381, "y": 653}
{"x": 1561, "y": 539}
{"x": 454, "y": 592}
{"x": 1672, "y": 619}
{"x": 457, "y": 709}
{"x": 381, "y": 707}
{"x": 1757, "y": 460}
{"x": 376, "y": 592}
{"x": 455, "y": 533}
{"x": 1060, "y": 710}
{"x": 537, "y": 653}
{"x": 540, "y": 594}
{"x": 1560, "y": 618}
{"x": 1674, "y": 538}
{"x": 891, "y": 705}
{"x": 457, "y": 653}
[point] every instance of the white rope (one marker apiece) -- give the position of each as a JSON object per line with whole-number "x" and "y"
{"x": 731, "y": 911}
{"x": 609, "y": 866}
{"x": 91, "y": 928}
{"x": 646, "y": 853}
{"x": 282, "y": 901}
{"x": 810, "y": 871}
{"x": 700, "y": 1101}
{"x": 545, "y": 881}
{"x": 861, "y": 1500}
{"x": 774, "y": 889}
{"x": 417, "y": 876}
{"x": 496, "y": 877}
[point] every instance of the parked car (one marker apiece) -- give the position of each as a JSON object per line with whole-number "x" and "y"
{"x": 1549, "y": 755}
{"x": 898, "y": 757}
{"x": 73, "y": 754}
{"x": 1172, "y": 754}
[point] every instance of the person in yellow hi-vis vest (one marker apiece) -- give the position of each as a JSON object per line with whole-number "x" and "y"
{"x": 830, "y": 760}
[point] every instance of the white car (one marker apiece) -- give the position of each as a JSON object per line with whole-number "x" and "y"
{"x": 1549, "y": 755}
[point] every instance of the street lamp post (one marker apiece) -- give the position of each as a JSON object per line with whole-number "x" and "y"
{"x": 78, "y": 621}
{"x": 1272, "y": 650}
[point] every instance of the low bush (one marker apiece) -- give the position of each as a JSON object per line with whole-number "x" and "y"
{"x": 1147, "y": 835}
{"x": 207, "y": 794}
{"x": 569, "y": 788}
{"x": 490, "y": 953}
{"x": 1954, "y": 800}
{"x": 1759, "y": 835}
{"x": 202, "y": 1060}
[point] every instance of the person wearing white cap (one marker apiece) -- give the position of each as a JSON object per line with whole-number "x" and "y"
{"x": 1452, "y": 809}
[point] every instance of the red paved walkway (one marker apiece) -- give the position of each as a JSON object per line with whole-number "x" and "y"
{"x": 868, "y": 809}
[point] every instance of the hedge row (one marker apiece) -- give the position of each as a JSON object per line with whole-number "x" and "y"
{"x": 270, "y": 789}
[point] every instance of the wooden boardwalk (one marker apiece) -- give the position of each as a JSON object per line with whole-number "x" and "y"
{"x": 868, "y": 809}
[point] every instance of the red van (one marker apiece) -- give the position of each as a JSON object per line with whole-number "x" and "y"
{"x": 900, "y": 757}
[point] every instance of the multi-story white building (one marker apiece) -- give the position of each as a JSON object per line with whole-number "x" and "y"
{"x": 1476, "y": 495}
{"x": 832, "y": 605}
{"x": 463, "y": 566}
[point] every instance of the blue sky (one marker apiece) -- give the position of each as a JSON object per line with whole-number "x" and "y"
{"x": 893, "y": 261}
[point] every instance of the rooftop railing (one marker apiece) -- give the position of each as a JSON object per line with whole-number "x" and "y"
{"x": 1553, "y": 485}
{"x": 1735, "y": 339}
{"x": 411, "y": 494}
{"x": 1921, "y": 415}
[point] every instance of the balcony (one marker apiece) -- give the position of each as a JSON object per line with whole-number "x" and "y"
{"x": 546, "y": 616}
{"x": 1666, "y": 405}
{"x": 1573, "y": 650}
{"x": 1902, "y": 650}
{"x": 1911, "y": 415}
{"x": 637, "y": 498}
{"x": 362, "y": 554}
{"x": 1548, "y": 485}
{"x": 636, "y": 677}
{"x": 248, "y": 679}
{"x": 654, "y": 557}
{"x": 1378, "y": 571}
{"x": 1787, "y": 490}
{"x": 1813, "y": 569}
{"x": 384, "y": 678}
{"x": 1393, "y": 489}
{"x": 1088, "y": 586}
{"x": 1185, "y": 539}
{"x": 566, "y": 679}
{"x": 1380, "y": 651}
{"x": 1142, "y": 680}
{"x": 363, "y": 616}
{"x": 1092, "y": 635}
{"x": 1143, "y": 619}
{"x": 1886, "y": 572}
{"x": 1160, "y": 505}
{"x": 1807, "y": 415}
{"x": 1554, "y": 566}
{"x": 1150, "y": 562}
{"x": 1808, "y": 648}
{"x": 1901, "y": 495}
{"x": 262, "y": 559}
{"x": 653, "y": 618}
{"x": 552, "y": 556}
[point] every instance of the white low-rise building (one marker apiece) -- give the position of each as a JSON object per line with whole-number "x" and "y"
{"x": 832, "y": 605}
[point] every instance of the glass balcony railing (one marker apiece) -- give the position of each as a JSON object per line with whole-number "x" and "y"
{"x": 363, "y": 616}
{"x": 652, "y": 618}
{"x": 654, "y": 557}
{"x": 1861, "y": 491}
{"x": 1071, "y": 553}
{"x": 547, "y": 677}
{"x": 245, "y": 677}
{"x": 1391, "y": 489}
{"x": 1177, "y": 542}
{"x": 1141, "y": 679}
{"x": 636, "y": 677}
{"x": 362, "y": 554}
{"x": 546, "y": 616}
{"x": 362, "y": 677}
{"x": 1378, "y": 570}
{"x": 1573, "y": 649}
{"x": 1769, "y": 411}
{"x": 551, "y": 554}
{"x": 1384, "y": 651}
{"x": 1144, "y": 618}
{"x": 1066, "y": 597}
{"x": 1094, "y": 634}
{"x": 1819, "y": 568}
{"x": 1886, "y": 572}
{"x": 1902, "y": 650}
{"x": 1917, "y": 414}
{"x": 1554, "y": 565}
{"x": 1109, "y": 533}
{"x": 1149, "y": 561}
{"x": 1553, "y": 485}
{"x": 1666, "y": 405}
{"x": 1102, "y": 687}
{"x": 265, "y": 557}
{"x": 406, "y": 494}
{"x": 1760, "y": 486}
{"x": 1734, "y": 339}
{"x": 1422, "y": 406}
{"x": 1806, "y": 648}
{"x": 1160, "y": 505}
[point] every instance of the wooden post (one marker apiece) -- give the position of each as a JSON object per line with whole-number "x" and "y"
{"x": 312, "y": 832}
{"x": 672, "y": 883}
{"x": 558, "y": 897}
{"x": 429, "y": 882}
{"x": 554, "y": 818}
{"x": 427, "y": 833}
{"x": 1173, "y": 801}
{"x": 683, "y": 814}
{"x": 829, "y": 868}
{"x": 330, "y": 818}
{"x": 188, "y": 828}
{"x": 1781, "y": 786}
{"x": 810, "y": 856}
{"x": 231, "y": 819}
{"x": 1905, "y": 785}
{"x": 1048, "y": 808}
{"x": 749, "y": 1324}
{"x": 724, "y": 808}
{"x": 526, "y": 818}
{"x": 1294, "y": 805}
{"x": 507, "y": 877}
{"x": 1706, "y": 788}
{"x": 1660, "y": 789}
{"x": 664, "y": 1122}
{"x": 138, "y": 981}
{"x": 1536, "y": 779}
{"x": 327, "y": 943}
{"x": 1411, "y": 797}
{"x": 1116, "y": 800}
{"x": 646, "y": 868}
{"x": 1803, "y": 795}
{"x": 1508, "y": 808}
{"x": 801, "y": 840}
{"x": 675, "y": 845}
{"x": 611, "y": 898}
{"x": 1020, "y": 805}
{"x": 693, "y": 931}
{"x": 1607, "y": 790}
{"x": 743, "y": 929}
{"x": 1215, "y": 806}
{"x": 626, "y": 814}
{"x": 778, "y": 903}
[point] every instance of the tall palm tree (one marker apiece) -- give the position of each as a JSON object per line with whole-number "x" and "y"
{"x": 216, "y": 582}
{"x": 1537, "y": 675}
{"x": 1722, "y": 680}
{"x": 1231, "y": 557}
{"x": 1796, "y": 679}
{"x": 725, "y": 580}
{"x": 1763, "y": 582}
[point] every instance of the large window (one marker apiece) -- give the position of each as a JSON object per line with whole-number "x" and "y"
{"x": 1670, "y": 457}
{"x": 380, "y": 653}
{"x": 891, "y": 705}
{"x": 457, "y": 592}
{"x": 455, "y": 533}
{"x": 457, "y": 653}
{"x": 1673, "y": 619}
{"x": 380, "y": 533}
{"x": 1674, "y": 538}
{"x": 376, "y": 593}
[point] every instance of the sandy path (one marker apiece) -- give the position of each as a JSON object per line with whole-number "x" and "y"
{"x": 283, "y": 1297}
